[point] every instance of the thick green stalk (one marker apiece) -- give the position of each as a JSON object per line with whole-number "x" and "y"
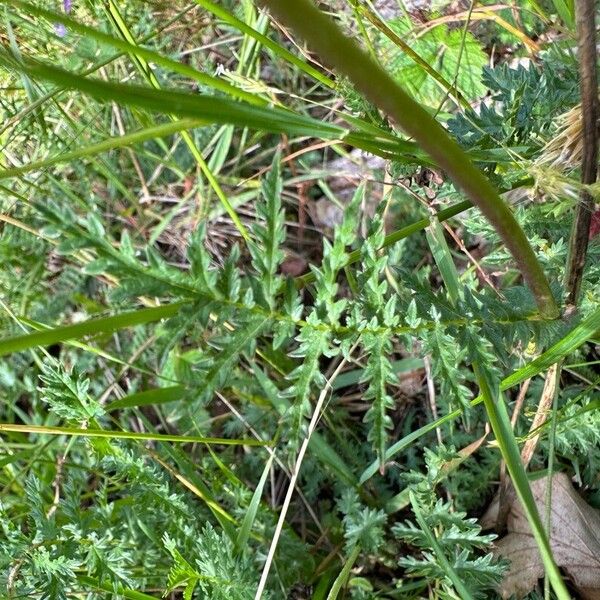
{"x": 381, "y": 89}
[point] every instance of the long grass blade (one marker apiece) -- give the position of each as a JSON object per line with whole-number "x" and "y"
{"x": 212, "y": 109}
{"x": 502, "y": 428}
{"x": 102, "y": 325}
{"x": 128, "y": 435}
{"x": 112, "y": 143}
{"x": 342, "y": 578}
{"x": 148, "y": 397}
{"x": 246, "y": 527}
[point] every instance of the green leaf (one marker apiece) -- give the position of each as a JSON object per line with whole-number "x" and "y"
{"x": 91, "y": 327}
{"x": 441, "y": 48}
{"x": 127, "y": 435}
{"x": 246, "y": 527}
{"x": 269, "y": 230}
{"x": 378, "y": 373}
{"x": 207, "y": 108}
{"x": 565, "y": 346}
{"x": 503, "y": 431}
{"x": 148, "y": 397}
{"x": 443, "y": 259}
{"x": 342, "y": 578}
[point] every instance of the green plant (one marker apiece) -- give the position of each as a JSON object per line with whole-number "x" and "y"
{"x": 181, "y": 415}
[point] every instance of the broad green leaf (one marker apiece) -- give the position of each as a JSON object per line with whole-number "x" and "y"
{"x": 442, "y": 49}
{"x": 443, "y": 259}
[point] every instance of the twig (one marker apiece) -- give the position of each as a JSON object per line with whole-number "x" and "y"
{"x": 586, "y": 32}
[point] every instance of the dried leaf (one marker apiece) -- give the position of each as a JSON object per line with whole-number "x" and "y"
{"x": 575, "y": 541}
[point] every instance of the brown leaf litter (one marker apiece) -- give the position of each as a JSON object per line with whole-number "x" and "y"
{"x": 575, "y": 541}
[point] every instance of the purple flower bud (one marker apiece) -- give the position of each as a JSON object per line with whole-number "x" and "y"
{"x": 59, "y": 28}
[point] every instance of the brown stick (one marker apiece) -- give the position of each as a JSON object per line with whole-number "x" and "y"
{"x": 586, "y": 33}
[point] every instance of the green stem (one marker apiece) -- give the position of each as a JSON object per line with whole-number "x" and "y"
{"x": 342, "y": 578}
{"x": 501, "y": 426}
{"x": 341, "y": 52}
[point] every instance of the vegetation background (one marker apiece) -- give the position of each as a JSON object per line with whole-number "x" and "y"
{"x": 255, "y": 342}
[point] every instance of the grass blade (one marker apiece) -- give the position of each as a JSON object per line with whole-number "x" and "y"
{"x": 502, "y": 428}
{"x": 147, "y": 73}
{"x": 211, "y": 109}
{"x": 109, "y": 588}
{"x": 246, "y": 527}
{"x": 342, "y": 578}
{"x": 148, "y": 397}
{"x": 128, "y": 435}
{"x": 112, "y": 143}
{"x": 102, "y": 325}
